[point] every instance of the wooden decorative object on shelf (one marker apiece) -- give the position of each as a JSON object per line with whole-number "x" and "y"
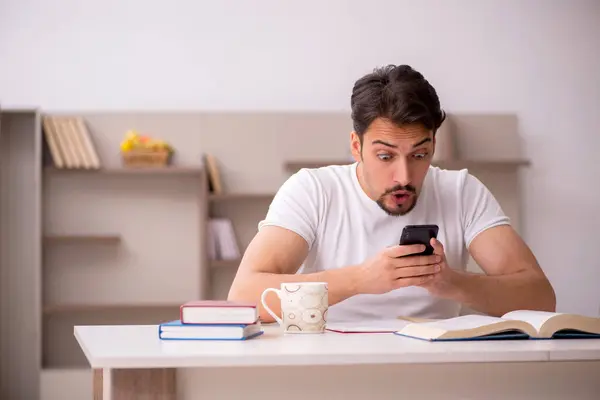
{"x": 145, "y": 158}
{"x": 143, "y": 151}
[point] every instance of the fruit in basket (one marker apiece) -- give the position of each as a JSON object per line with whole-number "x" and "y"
{"x": 134, "y": 141}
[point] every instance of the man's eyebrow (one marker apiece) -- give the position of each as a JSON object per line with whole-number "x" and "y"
{"x": 422, "y": 142}
{"x": 394, "y": 146}
{"x": 384, "y": 143}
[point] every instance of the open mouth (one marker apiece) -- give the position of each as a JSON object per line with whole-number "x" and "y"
{"x": 400, "y": 197}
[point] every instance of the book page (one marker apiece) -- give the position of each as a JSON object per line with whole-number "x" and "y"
{"x": 462, "y": 323}
{"x": 535, "y": 318}
{"x": 383, "y": 325}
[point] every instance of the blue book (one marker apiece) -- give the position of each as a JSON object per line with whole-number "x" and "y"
{"x": 175, "y": 330}
{"x": 515, "y": 325}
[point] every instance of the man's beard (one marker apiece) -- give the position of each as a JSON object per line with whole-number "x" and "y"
{"x": 398, "y": 210}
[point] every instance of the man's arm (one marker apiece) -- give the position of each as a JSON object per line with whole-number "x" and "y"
{"x": 281, "y": 245}
{"x": 274, "y": 256}
{"x": 513, "y": 279}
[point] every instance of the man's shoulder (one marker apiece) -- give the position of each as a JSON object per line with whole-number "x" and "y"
{"x": 303, "y": 199}
{"x": 332, "y": 172}
{"x": 456, "y": 189}
{"x": 447, "y": 180}
{"x": 317, "y": 186}
{"x": 326, "y": 177}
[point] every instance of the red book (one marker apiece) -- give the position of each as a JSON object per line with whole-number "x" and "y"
{"x": 218, "y": 312}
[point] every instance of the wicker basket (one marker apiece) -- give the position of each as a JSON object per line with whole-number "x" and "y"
{"x": 145, "y": 158}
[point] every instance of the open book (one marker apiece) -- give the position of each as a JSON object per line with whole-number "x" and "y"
{"x": 513, "y": 325}
{"x": 368, "y": 326}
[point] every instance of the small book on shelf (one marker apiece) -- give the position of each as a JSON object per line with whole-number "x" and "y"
{"x": 218, "y": 312}
{"x": 215, "y": 185}
{"x": 176, "y": 330}
{"x": 522, "y": 324}
{"x": 222, "y": 243}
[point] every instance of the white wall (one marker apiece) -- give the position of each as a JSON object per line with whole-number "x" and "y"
{"x": 539, "y": 59}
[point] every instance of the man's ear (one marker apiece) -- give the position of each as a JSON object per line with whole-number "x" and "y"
{"x": 356, "y": 146}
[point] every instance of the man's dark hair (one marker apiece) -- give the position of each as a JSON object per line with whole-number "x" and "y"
{"x": 399, "y": 94}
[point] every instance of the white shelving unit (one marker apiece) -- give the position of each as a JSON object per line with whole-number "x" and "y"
{"x": 129, "y": 246}
{"x": 20, "y": 253}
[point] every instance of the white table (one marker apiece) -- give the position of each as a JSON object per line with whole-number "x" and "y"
{"x": 132, "y": 363}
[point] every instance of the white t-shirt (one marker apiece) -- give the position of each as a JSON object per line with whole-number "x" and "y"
{"x": 343, "y": 226}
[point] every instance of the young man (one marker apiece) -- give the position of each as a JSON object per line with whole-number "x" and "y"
{"x": 341, "y": 224}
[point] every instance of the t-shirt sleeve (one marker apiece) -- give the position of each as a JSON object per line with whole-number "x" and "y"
{"x": 296, "y": 206}
{"x": 480, "y": 209}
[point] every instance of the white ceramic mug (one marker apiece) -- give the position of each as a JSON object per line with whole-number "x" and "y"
{"x": 304, "y": 306}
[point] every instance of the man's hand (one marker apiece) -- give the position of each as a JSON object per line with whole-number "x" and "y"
{"x": 397, "y": 267}
{"x": 442, "y": 284}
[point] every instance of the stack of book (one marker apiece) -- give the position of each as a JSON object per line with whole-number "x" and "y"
{"x": 213, "y": 320}
{"x": 70, "y": 143}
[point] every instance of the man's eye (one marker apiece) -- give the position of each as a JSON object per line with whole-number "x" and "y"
{"x": 384, "y": 157}
{"x": 420, "y": 155}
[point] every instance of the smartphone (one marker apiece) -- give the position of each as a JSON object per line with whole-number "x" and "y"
{"x": 419, "y": 234}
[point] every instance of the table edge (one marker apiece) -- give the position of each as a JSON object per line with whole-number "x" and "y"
{"x": 215, "y": 361}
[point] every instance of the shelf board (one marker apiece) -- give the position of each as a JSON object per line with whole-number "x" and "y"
{"x": 455, "y": 164}
{"x": 69, "y": 308}
{"x": 84, "y": 239}
{"x": 173, "y": 170}
{"x": 240, "y": 196}
{"x": 66, "y": 369}
{"x": 224, "y": 263}
{"x": 297, "y": 165}
{"x": 483, "y": 164}
{"x": 18, "y": 110}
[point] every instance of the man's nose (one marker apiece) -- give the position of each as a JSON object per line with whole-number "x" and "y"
{"x": 402, "y": 172}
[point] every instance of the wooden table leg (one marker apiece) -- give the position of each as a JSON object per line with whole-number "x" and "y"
{"x": 98, "y": 383}
{"x": 136, "y": 384}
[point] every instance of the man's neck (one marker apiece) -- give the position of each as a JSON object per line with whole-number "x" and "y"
{"x": 359, "y": 176}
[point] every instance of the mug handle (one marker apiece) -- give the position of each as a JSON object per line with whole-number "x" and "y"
{"x": 262, "y": 300}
